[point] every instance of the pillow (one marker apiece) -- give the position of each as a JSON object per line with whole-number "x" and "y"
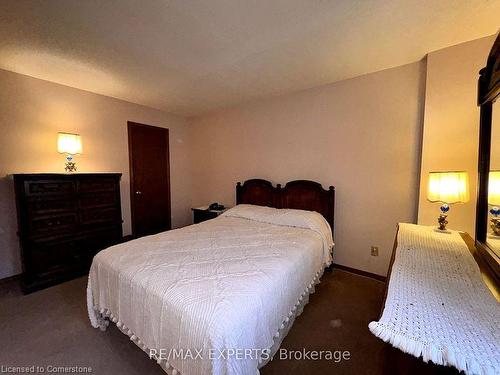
{"x": 286, "y": 217}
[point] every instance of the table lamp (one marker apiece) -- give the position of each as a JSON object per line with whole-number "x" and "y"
{"x": 69, "y": 144}
{"x": 494, "y": 200}
{"x": 447, "y": 188}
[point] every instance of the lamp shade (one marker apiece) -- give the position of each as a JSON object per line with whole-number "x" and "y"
{"x": 69, "y": 143}
{"x": 494, "y": 188}
{"x": 448, "y": 187}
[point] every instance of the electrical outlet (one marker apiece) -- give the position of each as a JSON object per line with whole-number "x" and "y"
{"x": 374, "y": 251}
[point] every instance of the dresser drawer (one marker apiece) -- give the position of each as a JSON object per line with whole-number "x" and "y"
{"x": 49, "y": 205}
{"x": 53, "y": 224}
{"x": 49, "y": 187}
{"x": 99, "y": 199}
{"x": 93, "y": 184}
{"x": 51, "y": 257}
{"x": 99, "y": 215}
{"x": 98, "y": 240}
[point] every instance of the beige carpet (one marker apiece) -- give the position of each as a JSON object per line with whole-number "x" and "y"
{"x": 50, "y": 327}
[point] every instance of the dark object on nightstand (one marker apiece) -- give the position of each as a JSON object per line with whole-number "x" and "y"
{"x": 216, "y": 207}
{"x": 206, "y": 213}
{"x": 64, "y": 220}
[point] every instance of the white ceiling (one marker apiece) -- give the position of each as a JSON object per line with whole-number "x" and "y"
{"x": 191, "y": 56}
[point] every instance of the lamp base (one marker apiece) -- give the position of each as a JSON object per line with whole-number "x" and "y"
{"x": 70, "y": 164}
{"x": 495, "y": 226}
{"x": 442, "y": 222}
{"x": 446, "y": 231}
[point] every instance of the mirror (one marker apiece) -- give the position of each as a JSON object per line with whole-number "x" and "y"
{"x": 493, "y": 226}
{"x": 488, "y": 191}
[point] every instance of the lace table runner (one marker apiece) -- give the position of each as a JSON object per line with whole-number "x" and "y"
{"x": 437, "y": 305}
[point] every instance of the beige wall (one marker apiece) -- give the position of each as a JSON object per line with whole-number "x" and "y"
{"x": 451, "y": 125}
{"x": 361, "y": 135}
{"x": 32, "y": 111}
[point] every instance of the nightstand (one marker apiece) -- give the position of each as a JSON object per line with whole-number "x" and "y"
{"x": 203, "y": 213}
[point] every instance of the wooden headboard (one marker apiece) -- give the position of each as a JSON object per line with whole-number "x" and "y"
{"x": 298, "y": 194}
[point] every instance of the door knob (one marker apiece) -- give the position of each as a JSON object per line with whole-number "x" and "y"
{"x": 138, "y": 192}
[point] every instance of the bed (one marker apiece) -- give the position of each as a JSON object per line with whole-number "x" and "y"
{"x": 219, "y": 297}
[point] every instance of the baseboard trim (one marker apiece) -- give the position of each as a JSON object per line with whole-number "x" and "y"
{"x": 9, "y": 279}
{"x": 360, "y": 272}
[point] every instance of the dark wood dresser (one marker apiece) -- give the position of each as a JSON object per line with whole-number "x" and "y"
{"x": 64, "y": 220}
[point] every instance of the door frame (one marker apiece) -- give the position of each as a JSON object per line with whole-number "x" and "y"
{"x": 130, "y": 125}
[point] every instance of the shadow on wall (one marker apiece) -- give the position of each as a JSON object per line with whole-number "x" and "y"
{"x": 10, "y": 259}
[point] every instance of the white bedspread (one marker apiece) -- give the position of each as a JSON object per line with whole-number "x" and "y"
{"x": 228, "y": 283}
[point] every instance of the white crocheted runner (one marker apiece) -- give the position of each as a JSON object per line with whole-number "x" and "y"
{"x": 437, "y": 305}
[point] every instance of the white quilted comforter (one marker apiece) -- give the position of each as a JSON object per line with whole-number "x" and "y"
{"x": 225, "y": 285}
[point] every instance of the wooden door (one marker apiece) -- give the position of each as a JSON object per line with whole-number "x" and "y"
{"x": 149, "y": 179}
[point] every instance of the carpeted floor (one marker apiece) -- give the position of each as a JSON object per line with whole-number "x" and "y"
{"x": 50, "y": 327}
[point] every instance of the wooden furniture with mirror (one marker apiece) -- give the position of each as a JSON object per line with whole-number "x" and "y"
{"x": 487, "y": 242}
